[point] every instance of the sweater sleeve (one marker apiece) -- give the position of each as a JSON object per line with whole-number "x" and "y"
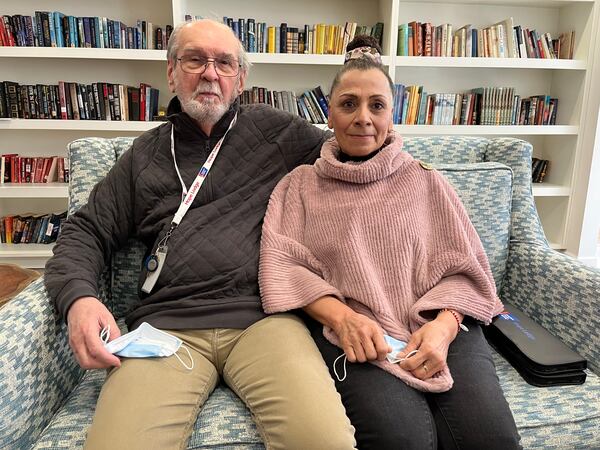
{"x": 89, "y": 236}
{"x": 454, "y": 272}
{"x": 290, "y": 276}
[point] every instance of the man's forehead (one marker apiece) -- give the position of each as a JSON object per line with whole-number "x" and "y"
{"x": 207, "y": 38}
{"x": 206, "y": 50}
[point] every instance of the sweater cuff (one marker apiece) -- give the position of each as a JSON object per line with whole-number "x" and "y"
{"x": 457, "y": 292}
{"x": 296, "y": 299}
{"x": 73, "y": 290}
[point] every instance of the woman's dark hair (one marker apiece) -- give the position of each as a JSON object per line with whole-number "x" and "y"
{"x": 363, "y": 63}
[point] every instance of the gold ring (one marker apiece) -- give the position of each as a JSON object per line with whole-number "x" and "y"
{"x": 425, "y": 367}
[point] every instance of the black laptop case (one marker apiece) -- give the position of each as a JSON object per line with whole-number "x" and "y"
{"x": 540, "y": 358}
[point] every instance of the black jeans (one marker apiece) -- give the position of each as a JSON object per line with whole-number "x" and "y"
{"x": 388, "y": 414}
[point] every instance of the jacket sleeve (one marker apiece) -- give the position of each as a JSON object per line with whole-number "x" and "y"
{"x": 290, "y": 276}
{"x": 90, "y": 235}
{"x": 454, "y": 271}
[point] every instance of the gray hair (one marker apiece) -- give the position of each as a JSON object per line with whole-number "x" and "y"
{"x": 173, "y": 46}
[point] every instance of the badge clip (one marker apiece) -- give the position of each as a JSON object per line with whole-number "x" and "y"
{"x": 154, "y": 264}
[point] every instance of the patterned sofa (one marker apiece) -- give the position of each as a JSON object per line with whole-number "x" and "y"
{"x": 47, "y": 402}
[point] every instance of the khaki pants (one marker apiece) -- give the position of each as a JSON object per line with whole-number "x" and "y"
{"x": 274, "y": 366}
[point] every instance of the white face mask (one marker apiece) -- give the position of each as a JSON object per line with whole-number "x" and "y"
{"x": 145, "y": 342}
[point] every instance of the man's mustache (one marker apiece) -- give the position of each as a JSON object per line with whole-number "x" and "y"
{"x": 208, "y": 88}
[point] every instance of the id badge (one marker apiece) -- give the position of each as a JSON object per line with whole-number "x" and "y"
{"x": 152, "y": 277}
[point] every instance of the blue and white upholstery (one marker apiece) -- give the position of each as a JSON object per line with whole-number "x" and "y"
{"x": 47, "y": 402}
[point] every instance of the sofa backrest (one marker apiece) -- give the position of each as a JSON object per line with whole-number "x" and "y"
{"x": 514, "y": 153}
{"x": 90, "y": 159}
{"x": 485, "y": 188}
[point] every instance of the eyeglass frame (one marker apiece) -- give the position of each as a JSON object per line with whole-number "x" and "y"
{"x": 213, "y": 61}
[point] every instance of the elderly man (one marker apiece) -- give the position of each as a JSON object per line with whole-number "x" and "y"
{"x": 201, "y": 225}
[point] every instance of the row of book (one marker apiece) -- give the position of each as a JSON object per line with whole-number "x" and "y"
{"x": 67, "y": 100}
{"x": 320, "y": 39}
{"x": 501, "y": 40}
{"x": 55, "y": 29}
{"x": 35, "y": 169}
{"x": 481, "y": 106}
{"x": 310, "y": 105}
{"x": 539, "y": 168}
{"x": 31, "y": 228}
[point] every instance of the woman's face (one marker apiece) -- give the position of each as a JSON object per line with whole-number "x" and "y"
{"x": 360, "y": 111}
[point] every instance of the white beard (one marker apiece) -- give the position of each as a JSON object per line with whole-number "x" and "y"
{"x": 208, "y": 110}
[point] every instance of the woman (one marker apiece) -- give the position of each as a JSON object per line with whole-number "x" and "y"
{"x": 379, "y": 250}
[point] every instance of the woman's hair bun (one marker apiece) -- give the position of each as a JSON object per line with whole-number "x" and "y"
{"x": 363, "y": 40}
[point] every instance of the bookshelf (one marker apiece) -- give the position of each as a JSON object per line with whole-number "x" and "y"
{"x": 559, "y": 200}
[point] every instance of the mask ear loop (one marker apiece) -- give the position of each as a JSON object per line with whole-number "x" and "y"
{"x": 414, "y": 352}
{"x": 105, "y": 334}
{"x": 343, "y": 355}
{"x": 181, "y": 361}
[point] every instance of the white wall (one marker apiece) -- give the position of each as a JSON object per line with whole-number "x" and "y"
{"x": 591, "y": 220}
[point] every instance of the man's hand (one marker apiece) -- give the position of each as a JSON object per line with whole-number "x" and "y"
{"x": 432, "y": 340}
{"x": 86, "y": 318}
{"x": 361, "y": 338}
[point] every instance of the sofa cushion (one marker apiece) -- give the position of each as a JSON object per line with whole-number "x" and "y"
{"x": 552, "y": 418}
{"x": 486, "y": 192}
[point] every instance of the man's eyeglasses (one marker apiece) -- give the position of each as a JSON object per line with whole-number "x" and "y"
{"x": 225, "y": 67}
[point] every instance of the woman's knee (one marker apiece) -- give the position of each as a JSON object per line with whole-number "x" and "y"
{"x": 405, "y": 423}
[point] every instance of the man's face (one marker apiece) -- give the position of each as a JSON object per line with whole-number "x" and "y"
{"x": 205, "y": 96}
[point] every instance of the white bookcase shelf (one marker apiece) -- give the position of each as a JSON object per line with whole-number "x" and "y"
{"x": 488, "y": 130}
{"x": 558, "y": 201}
{"x": 28, "y": 250}
{"x": 489, "y": 63}
{"x": 34, "y": 190}
{"x": 77, "y": 125}
{"x": 550, "y": 190}
{"x": 289, "y": 58}
{"x": 83, "y": 53}
{"x": 26, "y": 255}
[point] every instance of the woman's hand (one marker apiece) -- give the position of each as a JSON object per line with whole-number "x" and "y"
{"x": 432, "y": 341}
{"x": 360, "y": 337}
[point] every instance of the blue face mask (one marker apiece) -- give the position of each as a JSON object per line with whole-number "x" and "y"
{"x": 397, "y": 346}
{"x": 145, "y": 342}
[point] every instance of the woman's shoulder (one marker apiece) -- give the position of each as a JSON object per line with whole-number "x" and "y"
{"x": 295, "y": 179}
{"x": 302, "y": 172}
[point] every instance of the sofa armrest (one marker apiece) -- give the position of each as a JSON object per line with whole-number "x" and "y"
{"x": 37, "y": 369}
{"x": 559, "y": 292}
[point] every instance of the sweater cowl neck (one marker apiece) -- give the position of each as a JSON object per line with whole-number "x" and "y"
{"x": 387, "y": 161}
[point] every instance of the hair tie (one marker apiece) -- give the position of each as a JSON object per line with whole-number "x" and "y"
{"x": 364, "y": 52}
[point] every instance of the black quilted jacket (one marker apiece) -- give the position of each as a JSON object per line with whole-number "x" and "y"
{"x": 210, "y": 275}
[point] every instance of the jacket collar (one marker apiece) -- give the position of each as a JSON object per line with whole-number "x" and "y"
{"x": 387, "y": 161}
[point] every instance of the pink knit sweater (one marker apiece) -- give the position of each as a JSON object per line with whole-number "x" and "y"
{"x": 386, "y": 236}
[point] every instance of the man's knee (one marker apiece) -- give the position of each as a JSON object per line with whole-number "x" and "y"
{"x": 318, "y": 432}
